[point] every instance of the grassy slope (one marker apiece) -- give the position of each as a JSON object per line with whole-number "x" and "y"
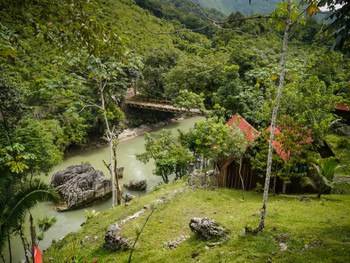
{"x": 321, "y": 225}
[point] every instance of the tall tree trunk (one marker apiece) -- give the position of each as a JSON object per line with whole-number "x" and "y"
{"x": 119, "y": 190}
{"x": 24, "y": 243}
{"x": 110, "y": 141}
{"x": 240, "y": 175}
{"x": 111, "y": 170}
{"x": 274, "y": 117}
{"x": 10, "y": 248}
{"x": 32, "y": 235}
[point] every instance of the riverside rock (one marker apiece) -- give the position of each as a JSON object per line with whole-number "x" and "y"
{"x": 136, "y": 185}
{"x": 80, "y": 185}
{"x": 207, "y": 228}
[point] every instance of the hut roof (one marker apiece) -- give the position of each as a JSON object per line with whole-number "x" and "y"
{"x": 344, "y": 107}
{"x": 250, "y": 132}
{"x": 278, "y": 146}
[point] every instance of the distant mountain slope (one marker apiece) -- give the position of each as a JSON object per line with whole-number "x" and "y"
{"x": 229, "y": 6}
{"x": 141, "y": 29}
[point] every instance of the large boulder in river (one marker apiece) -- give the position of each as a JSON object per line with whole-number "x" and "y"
{"x": 80, "y": 185}
{"x": 136, "y": 185}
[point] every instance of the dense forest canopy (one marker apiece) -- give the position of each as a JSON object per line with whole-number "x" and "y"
{"x": 46, "y": 63}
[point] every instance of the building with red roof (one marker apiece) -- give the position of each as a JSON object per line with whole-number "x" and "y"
{"x": 250, "y": 132}
{"x": 231, "y": 170}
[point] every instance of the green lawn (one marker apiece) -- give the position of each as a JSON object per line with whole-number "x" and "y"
{"x": 314, "y": 231}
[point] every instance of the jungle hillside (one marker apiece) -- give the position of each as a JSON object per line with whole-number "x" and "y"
{"x": 68, "y": 68}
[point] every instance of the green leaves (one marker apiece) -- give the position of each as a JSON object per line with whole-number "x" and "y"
{"x": 280, "y": 14}
{"x": 170, "y": 157}
{"x": 214, "y": 140}
{"x": 322, "y": 177}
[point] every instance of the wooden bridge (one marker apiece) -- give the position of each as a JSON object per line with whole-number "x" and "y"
{"x": 159, "y": 105}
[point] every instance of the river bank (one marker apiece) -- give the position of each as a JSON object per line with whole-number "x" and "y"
{"x": 131, "y": 143}
{"x": 126, "y": 134}
{"x": 130, "y": 133}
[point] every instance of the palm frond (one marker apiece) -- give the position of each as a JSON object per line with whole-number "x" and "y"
{"x": 16, "y": 207}
{"x": 307, "y": 181}
{"x": 329, "y": 166}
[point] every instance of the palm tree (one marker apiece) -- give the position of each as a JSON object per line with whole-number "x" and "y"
{"x": 16, "y": 200}
{"x": 322, "y": 178}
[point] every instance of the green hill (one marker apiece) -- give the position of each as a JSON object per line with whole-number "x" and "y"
{"x": 243, "y": 6}
{"x": 296, "y": 231}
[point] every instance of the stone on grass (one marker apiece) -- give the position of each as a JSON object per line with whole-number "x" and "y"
{"x": 175, "y": 243}
{"x": 114, "y": 241}
{"x": 207, "y": 228}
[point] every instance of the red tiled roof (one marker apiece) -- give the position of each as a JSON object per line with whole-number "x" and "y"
{"x": 250, "y": 132}
{"x": 278, "y": 146}
{"x": 344, "y": 107}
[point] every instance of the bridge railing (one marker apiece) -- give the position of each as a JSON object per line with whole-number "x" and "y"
{"x": 158, "y": 101}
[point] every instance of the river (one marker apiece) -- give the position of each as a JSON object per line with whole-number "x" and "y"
{"x": 70, "y": 221}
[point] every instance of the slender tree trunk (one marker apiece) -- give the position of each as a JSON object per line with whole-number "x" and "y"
{"x": 10, "y": 248}
{"x": 32, "y": 235}
{"x": 119, "y": 190}
{"x": 24, "y": 243}
{"x": 284, "y": 187}
{"x": 140, "y": 232}
{"x": 240, "y": 175}
{"x": 110, "y": 141}
{"x": 111, "y": 170}
{"x": 273, "y": 119}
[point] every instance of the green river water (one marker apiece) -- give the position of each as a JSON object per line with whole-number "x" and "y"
{"x": 70, "y": 221}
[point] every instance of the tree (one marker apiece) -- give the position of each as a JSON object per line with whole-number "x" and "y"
{"x": 274, "y": 116}
{"x": 16, "y": 200}
{"x": 169, "y": 157}
{"x": 321, "y": 178}
{"x": 194, "y": 73}
{"x": 189, "y": 101}
{"x": 105, "y": 75}
{"x": 213, "y": 140}
{"x": 339, "y": 25}
{"x": 156, "y": 65}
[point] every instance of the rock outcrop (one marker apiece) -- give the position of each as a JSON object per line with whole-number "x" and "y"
{"x": 207, "y": 228}
{"x": 136, "y": 185}
{"x": 80, "y": 185}
{"x": 114, "y": 241}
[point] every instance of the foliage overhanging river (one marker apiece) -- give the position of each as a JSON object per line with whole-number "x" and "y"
{"x": 70, "y": 221}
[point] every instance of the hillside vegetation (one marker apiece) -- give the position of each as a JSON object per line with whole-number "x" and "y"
{"x": 66, "y": 67}
{"x": 298, "y": 230}
{"x": 227, "y": 6}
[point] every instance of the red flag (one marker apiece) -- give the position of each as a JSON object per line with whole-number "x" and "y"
{"x": 37, "y": 255}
